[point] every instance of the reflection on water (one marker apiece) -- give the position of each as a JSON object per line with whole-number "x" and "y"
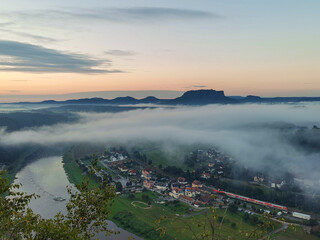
{"x": 46, "y": 178}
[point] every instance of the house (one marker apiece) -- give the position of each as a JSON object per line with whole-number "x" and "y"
{"x": 206, "y": 199}
{"x": 191, "y": 191}
{"x": 258, "y": 179}
{"x": 197, "y": 203}
{"x": 174, "y": 185}
{"x": 116, "y": 157}
{"x": 146, "y": 173}
{"x": 210, "y": 164}
{"x": 301, "y": 215}
{"x": 186, "y": 199}
{"x": 182, "y": 180}
{"x": 277, "y": 184}
{"x": 205, "y": 175}
{"x": 123, "y": 168}
{"x": 148, "y": 184}
{"x": 132, "y": 172}
{"x": 206, "y": 190}
{"x": 176, "y": 192}
{"x": 160, "y": 186}
{"x": 196, "y": 184}
{"x": 115, "y": 164}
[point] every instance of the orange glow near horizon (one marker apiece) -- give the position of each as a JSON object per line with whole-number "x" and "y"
{"x": 240, "y": 80}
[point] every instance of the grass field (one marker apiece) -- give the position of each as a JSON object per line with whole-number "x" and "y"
{"x": 176, "y": 207}
{"x": 143, "y": 222}
{"x": 294, "y": 234}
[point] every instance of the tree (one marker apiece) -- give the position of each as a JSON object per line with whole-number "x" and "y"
{"x": 87, "y": 213}
{"x": 118, "y": 187}
{"x": 233, "y": 225}
{"x": 233, "y": 208}
{"x": 144, "y": 158}
{"x": 145, "y": 197}
{"x": 131, "y": 196}
{"x": 188, "y": 175}
{"x": 246, "y": 217}
{"x": 311, "y": 222}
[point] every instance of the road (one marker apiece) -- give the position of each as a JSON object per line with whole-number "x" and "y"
{"x": 282, "y": 228}
{"x": 121, "y": 179}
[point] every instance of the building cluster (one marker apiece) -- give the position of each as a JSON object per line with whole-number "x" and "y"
{"x": 113, "y": 156}
{"x": 216, "y": 163}
{"x": 195, "y": 193}
{"x": 258, "y": 178}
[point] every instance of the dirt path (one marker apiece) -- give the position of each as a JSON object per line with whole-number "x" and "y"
{"x": 135, "y": 205}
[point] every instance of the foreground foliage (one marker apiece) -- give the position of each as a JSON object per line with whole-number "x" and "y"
{"x": 87, "y": 213}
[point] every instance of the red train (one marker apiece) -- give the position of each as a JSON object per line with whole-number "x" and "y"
{"x": 252, "y": 200}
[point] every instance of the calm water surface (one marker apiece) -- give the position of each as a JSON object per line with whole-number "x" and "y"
{"x": 46, "y": 178}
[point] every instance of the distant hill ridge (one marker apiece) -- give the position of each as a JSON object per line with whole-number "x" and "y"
{"x": 199, "y": 97}
{"x": 192, "y": 97}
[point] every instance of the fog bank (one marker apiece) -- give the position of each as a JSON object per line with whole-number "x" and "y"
{"x": 253, "y": 134}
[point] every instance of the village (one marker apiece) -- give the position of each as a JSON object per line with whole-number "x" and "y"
{"x": 134, "y": 178}
{"x": 136, "y": 174}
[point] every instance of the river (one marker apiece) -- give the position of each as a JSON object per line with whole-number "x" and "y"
{"x": 46, "y": 178}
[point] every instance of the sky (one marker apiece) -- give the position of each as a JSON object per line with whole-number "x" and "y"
{"x": 56, "y": 48}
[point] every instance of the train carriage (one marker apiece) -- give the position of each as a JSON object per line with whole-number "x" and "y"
{"x": 267, "y": 204}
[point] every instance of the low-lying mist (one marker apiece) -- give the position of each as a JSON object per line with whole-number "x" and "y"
{"x": 258, "y": 135}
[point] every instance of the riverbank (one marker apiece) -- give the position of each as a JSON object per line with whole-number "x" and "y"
{"x": 74, "y": 173}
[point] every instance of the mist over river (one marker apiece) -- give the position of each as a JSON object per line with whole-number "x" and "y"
{"x": 46, "y": 178}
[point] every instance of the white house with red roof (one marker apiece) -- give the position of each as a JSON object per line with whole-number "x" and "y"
{"x": 182, "y": 180}
{"x": 205, "y": 175}
{"x": 176, "y": 192}
{"x": 186, "y": 199}
{"x": 148, "y": 184}
{"x": 146, "y": 173}
{"x": 197, "y": 184}
{"x": 191, "y": 191}
{"x": 132, "y": 172}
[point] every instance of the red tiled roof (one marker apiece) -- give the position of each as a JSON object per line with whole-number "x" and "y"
{"x": 196, "y": 182}
{"x": 187, "y": 198}
{"x": 192, "y": 189}
{"x": 205, "y": 174}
